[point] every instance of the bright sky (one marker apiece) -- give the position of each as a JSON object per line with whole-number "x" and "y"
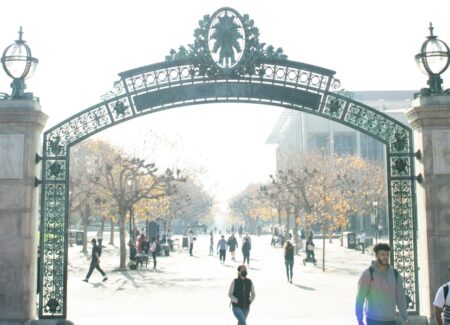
{"x": 82, "y": 45}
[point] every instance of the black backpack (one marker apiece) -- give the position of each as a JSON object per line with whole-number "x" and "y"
{"x": 445, "y": 293}
{"x": 409, "y": 302}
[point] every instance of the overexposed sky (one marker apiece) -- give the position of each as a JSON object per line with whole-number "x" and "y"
{"x": 82, "y": 45}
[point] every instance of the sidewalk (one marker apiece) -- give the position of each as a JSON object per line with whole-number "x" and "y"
{"x": 193, "y": 290}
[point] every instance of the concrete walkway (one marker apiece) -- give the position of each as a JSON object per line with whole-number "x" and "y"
{"x": 193, "y": 290}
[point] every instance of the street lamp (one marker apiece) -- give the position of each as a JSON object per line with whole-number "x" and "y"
{"x": 375, "y": 205}
{"x": 433, "y": 60}
{"x": 19, "y": 65}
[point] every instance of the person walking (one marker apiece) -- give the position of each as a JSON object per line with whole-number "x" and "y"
{"x": 246, "y": 248}
{"x": 362, "y": 241}
{"x": 154, "y": 250}
{"x": 442, "y": 304}
{"x": 222, "y": 248}
{"x": 380, "y": 290}
{"x": 232, "y": 244}
{"x": 100, "y": 238}
{"x": 242, "y": 295}
{"x": 211, "y": 243}
{"x": 241, "y": 231}
{"x": 289, "y": 259}
{"x": 247, "y": 236}
{"x": 95, "y": 261}
{"x": 310, "y": 256}
{"x": 191, "y": 242}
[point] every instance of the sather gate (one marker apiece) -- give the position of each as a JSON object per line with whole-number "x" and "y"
{"x": 225, "y": 64}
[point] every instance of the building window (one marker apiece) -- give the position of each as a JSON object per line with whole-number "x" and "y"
{"x": 318, "y": 142}
{"x": 371, "y": 149}
{"x": 345, "y": 144}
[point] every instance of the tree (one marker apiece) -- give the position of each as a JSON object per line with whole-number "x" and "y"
{"x": 129, "y": 181}
{"x": 84, "y": 196}
{"x": 252, "y": 206}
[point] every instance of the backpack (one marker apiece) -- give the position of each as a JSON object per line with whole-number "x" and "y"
{"x": 158, "y": 248}
{"x": 409, "y": 301}
{"x": 445, "y": 293}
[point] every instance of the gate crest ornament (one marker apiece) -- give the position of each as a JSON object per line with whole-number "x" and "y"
{"x": 227, "y": 44}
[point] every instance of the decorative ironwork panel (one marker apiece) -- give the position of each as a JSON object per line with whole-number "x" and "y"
{"x": 404, "y": 237}
{"x": 233, "y": 67}
{"x": 53, "y": 247}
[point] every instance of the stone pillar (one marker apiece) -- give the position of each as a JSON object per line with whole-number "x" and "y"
{"x": 21, "y": 125}
{"x": 430, "y": 120}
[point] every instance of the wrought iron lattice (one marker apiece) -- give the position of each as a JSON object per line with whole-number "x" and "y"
{"x": 191, "y": 77}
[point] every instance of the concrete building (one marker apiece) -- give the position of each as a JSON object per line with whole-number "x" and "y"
{"x": 297, "y": 132}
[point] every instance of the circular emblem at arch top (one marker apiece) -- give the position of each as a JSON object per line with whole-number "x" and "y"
{"x": 226, "y": 38}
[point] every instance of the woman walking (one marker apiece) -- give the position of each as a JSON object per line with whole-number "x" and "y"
{"x": 154, "y": 250}
{"x": 211, "y": 243}
{"x": 289, "y": 259}
{"x": 242, "y": 294}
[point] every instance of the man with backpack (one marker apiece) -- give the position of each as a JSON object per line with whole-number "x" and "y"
{"x": 380, "y": 291}
{"x": 442, "y": 304}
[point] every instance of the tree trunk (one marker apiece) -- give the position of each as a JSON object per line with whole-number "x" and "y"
{"x": 123, "y": 246}
{"x": 111, "y": 238}
{"x": 85, "y": 218}
{"x": 102, "y": 227}
{"x": 279, "y": 216}
{"x": 323, "y": 248}
{"x": 85, "y": 238}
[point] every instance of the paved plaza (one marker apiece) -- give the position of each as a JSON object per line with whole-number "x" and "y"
{"x": 194, "y": 290}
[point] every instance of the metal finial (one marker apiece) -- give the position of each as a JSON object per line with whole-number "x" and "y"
{"x": 431, "y": 28}
{"x": 20, "y": 33}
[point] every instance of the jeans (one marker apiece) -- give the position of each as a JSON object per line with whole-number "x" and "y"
{"x": 379, "y": 322}
{"x": 191, "y": 248}
{"x": 289, "y": 268}
{"x": 222, "y": 254}
{"x": 246, "y": 258}
{"x": 94, "y": 265}
{"x": 154, "y": 259}
{"x": 241, "y": 315}
{"x": 362, "y": 247}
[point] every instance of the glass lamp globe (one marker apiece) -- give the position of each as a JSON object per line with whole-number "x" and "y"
{"x": 433, "y": 60}
{"x": 19, "y": 64}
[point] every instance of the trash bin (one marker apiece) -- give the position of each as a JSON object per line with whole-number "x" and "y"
{"x": 185, "y": 243}
{"x": 166, "y": 250}
{"x": 79, "y": 237}
{"x": 349, "y": 239}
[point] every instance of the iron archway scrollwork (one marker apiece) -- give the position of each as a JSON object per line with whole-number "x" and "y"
{"x": 242, "y": 70}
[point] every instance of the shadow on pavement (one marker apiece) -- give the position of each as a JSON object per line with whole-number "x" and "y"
{"x": 304, "y": 287}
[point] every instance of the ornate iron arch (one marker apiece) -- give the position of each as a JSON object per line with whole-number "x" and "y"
{"x": 246, "y": 71}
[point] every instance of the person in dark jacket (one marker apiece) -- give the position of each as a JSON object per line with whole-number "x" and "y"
{"x": 246, "y": 248}
{"x": 242, "y": 295}
{"x": 232, "y": 245}
{"x": 95, "y": 261}
{"x": 310, "y": 257}
{"x": 289, "y": 259}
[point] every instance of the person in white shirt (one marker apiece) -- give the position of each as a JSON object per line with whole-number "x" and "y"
{"x": 442, "y": 304}
{"x": 362, "y": 241}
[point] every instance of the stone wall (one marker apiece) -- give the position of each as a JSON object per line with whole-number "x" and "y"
{"x": 21, "y": 124}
